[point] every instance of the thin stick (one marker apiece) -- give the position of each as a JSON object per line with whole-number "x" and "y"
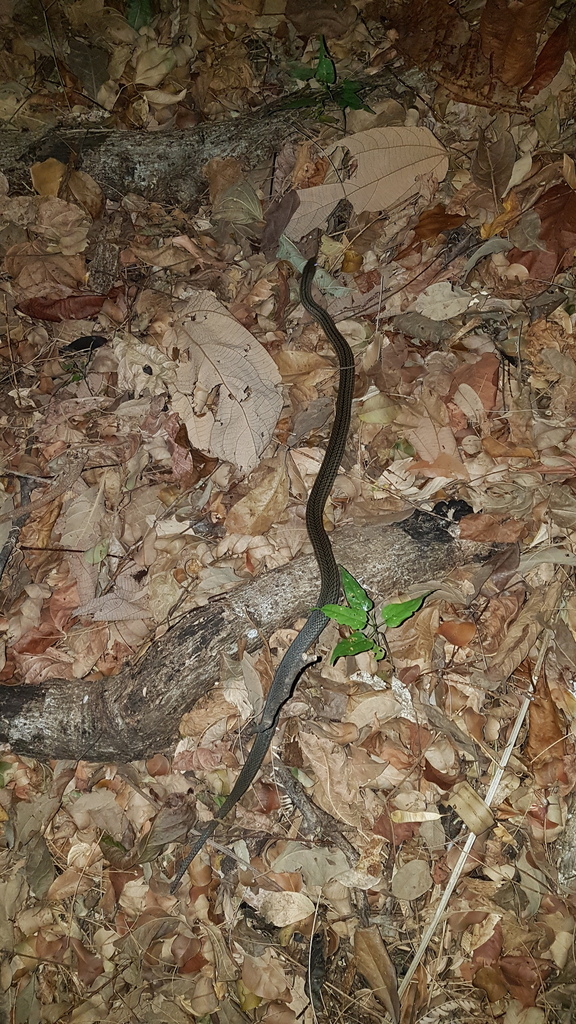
{"x": 455, "y": 876}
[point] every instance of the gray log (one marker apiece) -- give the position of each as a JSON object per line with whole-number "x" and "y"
{"x": 166, "y": 167}
{"x": 136, "y": 713}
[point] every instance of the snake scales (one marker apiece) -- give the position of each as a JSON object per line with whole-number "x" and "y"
{"x": 296, "y": 659}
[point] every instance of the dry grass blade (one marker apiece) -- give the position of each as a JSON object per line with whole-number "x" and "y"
{"x": 492, "y": 789}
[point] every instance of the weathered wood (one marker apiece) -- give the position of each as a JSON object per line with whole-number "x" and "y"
{"x": 166, "y": 166}
{"x": 136, "y": 713}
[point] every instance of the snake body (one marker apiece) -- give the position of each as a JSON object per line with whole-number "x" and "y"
{"x": 295, "y": 659}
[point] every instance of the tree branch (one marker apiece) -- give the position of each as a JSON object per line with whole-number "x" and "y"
{"x": 136, "y": 713}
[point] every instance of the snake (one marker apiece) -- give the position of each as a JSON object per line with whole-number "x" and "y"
{"x": 296, "y": 658}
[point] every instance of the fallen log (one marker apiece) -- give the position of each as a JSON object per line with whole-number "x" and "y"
{"x": 136, "y": 713}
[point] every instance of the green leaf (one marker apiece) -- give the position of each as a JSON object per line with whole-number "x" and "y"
{"x": 353, "y": 617}
{"x": 403, "y": 449}
{"x": 98, "y": 553}
{"x": 138, "y": 13}
{"x": 107, "y": 842}
{"x": 326, "y": 69}
{"x": 5, "y": 768}
{"x": 346, "y": 95}
{"x": 396, "y": 614}
{"x": 378, "y": 652}
{"x": 301, "y": 72}
{"x": 354, "y": 592}
{"x": 354, "y": 644}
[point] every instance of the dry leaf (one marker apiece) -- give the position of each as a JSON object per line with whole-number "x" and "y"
{"x": 469, "y": 806}
{"x": 263, "y": 505}
{"x": 458, "y": 633}
{"x": 411, "y": 880}
{"x": 374, "y": 963}
{"x": 47, "y": 176}
{"x": 336, "y": 791}
{"x": 492, "y": 163}
{"x": 286, "y": 908}
{"x": 510, "y": 35}
{"x": 227, "y": 392}
{"x": 391, "y": 164}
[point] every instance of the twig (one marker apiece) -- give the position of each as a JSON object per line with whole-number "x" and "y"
{"x": 61, "y": 484}
{"x": 455, "y": 876}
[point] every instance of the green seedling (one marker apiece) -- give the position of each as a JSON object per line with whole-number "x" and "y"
{"x": 359, "y": 615}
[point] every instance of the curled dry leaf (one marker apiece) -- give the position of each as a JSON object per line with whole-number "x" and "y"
{"x": 469, "y": 806}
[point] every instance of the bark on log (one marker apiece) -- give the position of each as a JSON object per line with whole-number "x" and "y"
{"x": 166, "y": 167}
{"x": 136, "y": 713}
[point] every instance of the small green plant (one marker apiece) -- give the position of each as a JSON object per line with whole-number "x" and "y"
{"x": 358, "y": 613}
{"x": 346, "y": 94}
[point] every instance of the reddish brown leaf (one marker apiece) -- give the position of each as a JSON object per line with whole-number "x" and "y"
{"x": 440, "y": 779}
{"x": 490, "y": 950}
{"x": 433, "y": 222}
{"x": 396, "y": 832}
{"x": 88, "y": 965}
{"x": 509, "y": 33}
{"x": 546, "y": 729}
{"x": 490, "y": 980}
{"x": 267, "y": 798}
{"x": 158, "y": 765}
{"x": 484, "y": 527}
{"x": 458, "y": 633}
{"x": 525, "y": 977}
{"x": 75, "y": 307}
{"x": 557, "y": 212}
{"x": 482, "y": 377}
{"x": 550, "y": 59}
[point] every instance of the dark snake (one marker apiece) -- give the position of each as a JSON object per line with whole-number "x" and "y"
{"x": 295, "y": 660}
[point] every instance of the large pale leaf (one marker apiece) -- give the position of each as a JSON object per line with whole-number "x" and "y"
{"x": 389, "y": 166}
{"x": 227, "y": 392}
